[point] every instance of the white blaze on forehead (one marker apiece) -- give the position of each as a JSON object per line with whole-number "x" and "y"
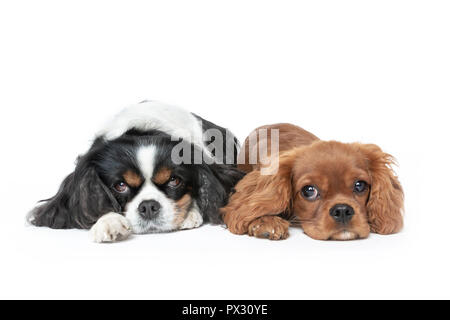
{"x": 146, "y": 161}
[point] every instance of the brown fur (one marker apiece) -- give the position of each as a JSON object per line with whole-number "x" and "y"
{"x": 385, "y": 204}
{"x": 290, "y": 136}
{"x": 259, "y": 195}
{"x": 181, "y": 208}
{"x": 331, "y": 166}
{"x": 132, "y": 178}
{"x": 162, "y": 176}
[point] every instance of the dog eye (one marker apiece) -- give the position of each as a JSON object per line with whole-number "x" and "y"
{"x": 310, "y": 193}
{"x": 121, "y": 187}
{"x": 360, "y": 186}
{"x": 174, "y": 182}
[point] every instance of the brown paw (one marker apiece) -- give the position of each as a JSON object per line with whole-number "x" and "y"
{"x": 269, "y": 227}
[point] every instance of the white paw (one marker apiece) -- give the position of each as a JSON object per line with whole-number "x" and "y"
{"x": 110, "y": 227}
{"x": 193, "y": 220}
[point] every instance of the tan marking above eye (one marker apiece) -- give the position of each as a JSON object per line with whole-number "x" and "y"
{"x": 132, "y": 178}
{"x": 162, "y": 176}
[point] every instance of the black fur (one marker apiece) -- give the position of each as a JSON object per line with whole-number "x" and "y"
{"x": 232, "y": 142}
{"x": 81, "y": 199}
{"x": 213, "y": 186}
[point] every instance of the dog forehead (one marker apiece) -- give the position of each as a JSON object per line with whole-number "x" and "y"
{"x": 331, "y": 163}
{"x": 146, "y": 157}
{"x": 155, "y": 164}
{"x": 333, "y": 155}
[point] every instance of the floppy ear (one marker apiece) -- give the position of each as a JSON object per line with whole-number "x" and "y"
{"x": 259, "y": 195}
{"x": 81, "y": 200}
{"x": 385, "y": 203}
{"x": 214, "y": 183}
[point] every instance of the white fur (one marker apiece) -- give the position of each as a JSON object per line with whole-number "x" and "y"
{"x": 110, "y": 227}
{"x": 173, "y": 120}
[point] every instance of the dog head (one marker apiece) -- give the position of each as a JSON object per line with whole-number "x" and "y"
{"x": 332, "y": 190}
{"x": 135, "y": 175}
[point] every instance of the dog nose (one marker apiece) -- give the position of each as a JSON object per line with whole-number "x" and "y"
{"x": 342, "y": 213}
{"x": 149, "y": 209}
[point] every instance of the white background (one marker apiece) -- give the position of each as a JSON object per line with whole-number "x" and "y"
{"x": 368, "y": 71}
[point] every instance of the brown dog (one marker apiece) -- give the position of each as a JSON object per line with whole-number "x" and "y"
{"x": 332, "y": 190}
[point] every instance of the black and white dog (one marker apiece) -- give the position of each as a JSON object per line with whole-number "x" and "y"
{"x": 153, "y": 168}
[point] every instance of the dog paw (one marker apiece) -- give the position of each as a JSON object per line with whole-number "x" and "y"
{"x": 194, "y": 219}
{"x": 269, "y": 227}
{"x": 110, "y": 227}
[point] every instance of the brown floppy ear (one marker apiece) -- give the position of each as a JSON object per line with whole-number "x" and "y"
{"x": 385, "y": 203}
{"x": 258, "y": 195}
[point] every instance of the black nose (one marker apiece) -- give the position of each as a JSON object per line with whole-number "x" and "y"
{"x": 342, "y": 213}
{"x": 149, "y": 209}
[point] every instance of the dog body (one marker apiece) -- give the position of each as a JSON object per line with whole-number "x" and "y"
{"x": 332, "y": 190}
{"x": 152, "y": 168}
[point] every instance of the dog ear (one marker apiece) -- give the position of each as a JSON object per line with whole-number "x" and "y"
{"x": 385, "y": 203}
{"x": 81, "y": 200}
{"x": 214, "y": 183}
{"x": 259, "y": 195}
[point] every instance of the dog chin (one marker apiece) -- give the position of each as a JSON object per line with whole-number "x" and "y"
{"x": 145, "y": 230}
{"x": 344, "y": 235}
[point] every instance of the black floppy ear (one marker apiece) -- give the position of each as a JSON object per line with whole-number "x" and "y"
{"x": 81, "y": 200}
{"x": 214, "y": 184}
